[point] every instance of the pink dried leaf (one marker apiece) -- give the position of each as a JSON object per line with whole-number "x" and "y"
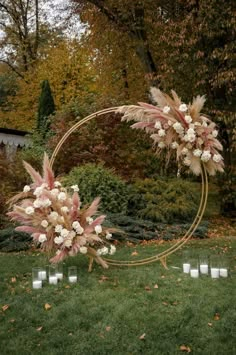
{"x": 59, "y": 257}
{"x": 92, "y": 209}
{"x": 47, "y": 172}
{"x": 28, "y": 229}
{"x": 36, "y": 177}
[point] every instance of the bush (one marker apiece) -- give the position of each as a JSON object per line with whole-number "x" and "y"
{"x": 96, "y": 181}
{"x": 11, "y": 240}
{"x": 165, "y": 201}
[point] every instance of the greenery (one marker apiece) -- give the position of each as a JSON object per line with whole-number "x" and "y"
{"x": 138, "y": 310}
{"x": 95, "y": 180}
{"x": 164, "y": 200}
{"x": 11, "y": 240}
{"x": 46, "y": 108}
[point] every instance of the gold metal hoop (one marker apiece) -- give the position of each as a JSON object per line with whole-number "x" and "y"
{"x": 163, "y": 255}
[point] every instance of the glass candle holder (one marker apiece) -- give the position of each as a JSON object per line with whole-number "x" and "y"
{"x": 215, "y": 267}
{"x": 52, "y": 278}
{"x": 186, "y": 262}
{"x": 194, "y": 268}
{"x": 36, "y": 281}
{"x": 72, "y": 274}
{"x": 42, "y": 274}
{"x": 59, "y": 271}
{"x": 224, "y": 267}
{"x": 204, "y": 264}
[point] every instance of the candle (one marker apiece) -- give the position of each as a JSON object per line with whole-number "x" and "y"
{"x": 194, "y": 273}
{"x": 59, "y": 276}
{"x": 223, "y": 272}
{"x": 186, "y": 268}
{"x": 37, "y": 283}
{"x": 72, "y": 279}
{"x": 204, "y": 269}
{"x": 52, "y": 280}
{"x": 42, "y": 275}
{"x": 215, "y": 273}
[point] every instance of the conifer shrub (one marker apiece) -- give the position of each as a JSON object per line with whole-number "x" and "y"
{"x": 165, "y": 201}
{"x": 96, "y": 180}
{"x": 11, "y": 240}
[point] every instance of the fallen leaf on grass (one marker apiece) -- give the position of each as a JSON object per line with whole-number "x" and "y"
{"x": 217, "y": 316}
{"x": 5, "y": 307}
{"x": 67, "y": 286}
{"x": 209, "y": 324}
{"x": 103, "y": 279}
{"x": 147, "y": 288}
{"x": 165, "y": 303}
{"x": 12, "y": 320}
{"x": 155, "y": 286}
{"x": 142, "y": 337}
{"x": 134, "y": 253}
{"x": 185, "y": 348}
{"x": 108, "y": 329}
{"x": 39, "y": 329}
{"x": 47, "y": 306}
{"x": 13, "y": 279}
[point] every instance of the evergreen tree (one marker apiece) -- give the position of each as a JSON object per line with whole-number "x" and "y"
{"x": 45, "y": 109}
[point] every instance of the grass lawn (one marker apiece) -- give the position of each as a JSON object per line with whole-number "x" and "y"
{"x": 138, "y": 310}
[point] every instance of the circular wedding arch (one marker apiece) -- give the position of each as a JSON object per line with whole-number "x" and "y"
{"x": 180, "y": 242}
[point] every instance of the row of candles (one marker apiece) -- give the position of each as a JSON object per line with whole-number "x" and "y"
{"x": 215, "y": 266}
{"x": 54, "y": 275}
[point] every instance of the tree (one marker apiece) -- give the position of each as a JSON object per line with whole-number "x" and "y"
{"x": 45, "y": 109}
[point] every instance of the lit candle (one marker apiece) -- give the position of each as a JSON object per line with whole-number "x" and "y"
{"x": 186, "y": 268}
{"x": 52, "y": 280}
{"x": 194, "y": 273}
{"x": 223, "y": 272}
{"x": 215, "y": 273}
{"x": 37, "y": 283}
{"x": 42, "y": 275}
{"x": 204, "y": 269}
{"x": 59, "y": 276}
{"x": 72, "y": 279}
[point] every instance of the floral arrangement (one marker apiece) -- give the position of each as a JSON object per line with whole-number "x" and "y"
{"x": 56, "y": 220}
{"x": 180, "y": 128}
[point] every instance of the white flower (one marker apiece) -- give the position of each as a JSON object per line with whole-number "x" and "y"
{"x": 54, "y": 192}
{"x": 75, "y": 188}
{"x": 217, "y": 158}
{"x": 184, "y": 151}
{"x": 197, "y": 152}
{"x": 98, "y": 229}
{"x": 61, "y": 196}
{"x": 174, "y": 145}
{"x": 83, "y": 250}
{"x": 170, "y": 123}
{"x": 161, "y": 133}
{"x": 197, "y": 124}
{"x": 158, "y": 125}
{"x": 204, "y": 124}
{"x": 187, "y": 161}
{"x": 57, "y": 184}
{"x": 38, "y": 191}
{"x": 46, "y": 203}
{"x": 206, "y": 155}
{"x": 190, "y": 131}
{"x": 112, "y": 250}
{"x": 58, "y": 228}
{"x": 64, "y": 232}
{"x": 89, "y": 220}
{"x": 188, "y": 118}
{"x": 214, "y": 133}
{"x": 102, "y": 251}
{"x": 75, "y": 224}
{"x": 183, "y": 107}
{"x": 79, "y": 230}
{"x": 161, "y": 145}
{"x": 72, "y": 234}
{"x": 29, "y": 210}
{"x": 37, "y": 203}
{"x": 44, "y": 223}
{"x": 178, "y": 127}
{"x": 42, "y": 238}
{"x": 108, "y": 235}
{"x": 166, "y": 109}
{"x": 68, "y": 243}
{"x": 64, "y": 209}
{"x": 58, "y": 240}
{"x": 53, "y": 215}
{"x": 26, "y": 188}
